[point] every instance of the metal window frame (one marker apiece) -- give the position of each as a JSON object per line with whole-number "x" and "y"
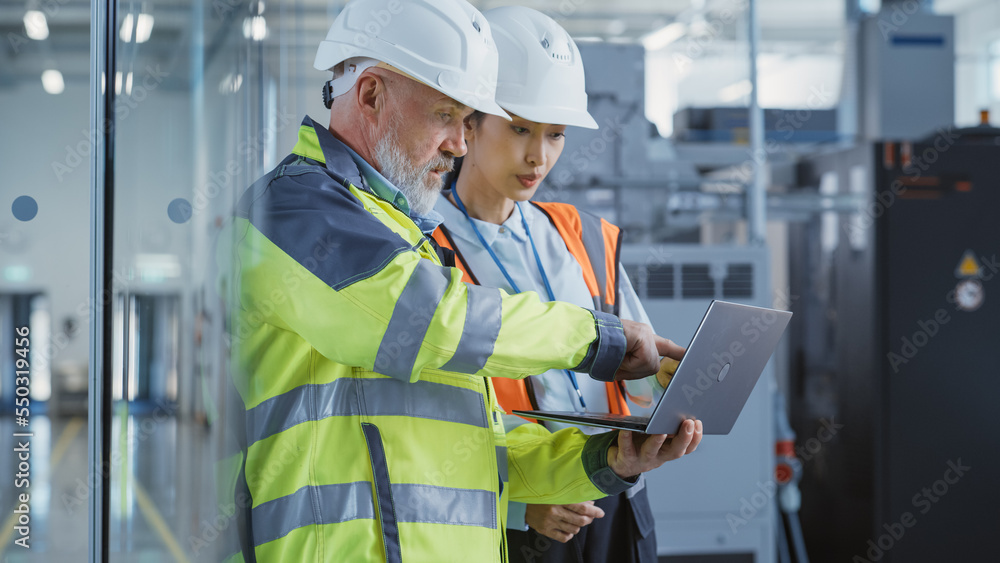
{"x": 103, "y": 17}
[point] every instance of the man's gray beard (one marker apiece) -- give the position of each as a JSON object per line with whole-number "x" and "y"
{"x": 420, "y": 187}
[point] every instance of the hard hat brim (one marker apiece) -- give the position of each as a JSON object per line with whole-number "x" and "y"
{"x": 553, "y": 115}
{"x": 485, "y": 106}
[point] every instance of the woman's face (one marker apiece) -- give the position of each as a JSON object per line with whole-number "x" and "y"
{"x": 513, "y": 156}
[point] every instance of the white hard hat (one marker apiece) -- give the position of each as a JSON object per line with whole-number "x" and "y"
{"x": 446, "y": 44}
{"x": 541, "y": 72}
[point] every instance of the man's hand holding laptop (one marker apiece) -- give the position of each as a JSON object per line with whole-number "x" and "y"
{"x": 645, "y": 452}
{"x": 636, "y": 452}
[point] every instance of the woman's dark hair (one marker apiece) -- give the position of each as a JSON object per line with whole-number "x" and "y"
{"x": 475, "y": 119}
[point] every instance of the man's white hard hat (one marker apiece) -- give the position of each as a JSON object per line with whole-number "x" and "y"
{"x": 541, "y": 72}
{"x": 445, "y": 44}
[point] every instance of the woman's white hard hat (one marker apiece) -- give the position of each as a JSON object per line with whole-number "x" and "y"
{"x": 541, "y": 73}
{"x": 445, "y": 44}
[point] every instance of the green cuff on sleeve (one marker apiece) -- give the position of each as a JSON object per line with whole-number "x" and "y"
{"x": 595, "y": 463}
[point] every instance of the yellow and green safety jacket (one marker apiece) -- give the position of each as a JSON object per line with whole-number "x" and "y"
{"x": 372, "y": 431}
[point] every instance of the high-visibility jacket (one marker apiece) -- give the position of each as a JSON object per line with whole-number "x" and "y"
{"x": 596, "y": 245}
{"x": 372, "y": 431}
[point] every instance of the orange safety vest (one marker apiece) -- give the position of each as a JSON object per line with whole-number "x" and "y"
{"x": 596, "y": 245}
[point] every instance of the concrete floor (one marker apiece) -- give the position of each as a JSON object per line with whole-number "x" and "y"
{"x": 163, "y": 497}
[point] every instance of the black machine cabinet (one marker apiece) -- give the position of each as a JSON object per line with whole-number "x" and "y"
{"x": 897, "y": 312}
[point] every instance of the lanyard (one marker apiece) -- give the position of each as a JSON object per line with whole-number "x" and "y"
{"x": 503, "y": 270}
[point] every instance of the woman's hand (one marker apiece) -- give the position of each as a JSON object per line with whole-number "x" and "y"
{"x": 561, "y": 521}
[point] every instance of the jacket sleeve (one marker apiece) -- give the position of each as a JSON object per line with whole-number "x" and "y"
{"x": 564, "y": 467}
{"x": 317, "y": 259}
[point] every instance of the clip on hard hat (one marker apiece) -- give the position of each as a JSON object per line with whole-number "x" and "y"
{"x": 328, "y": 94}
{"x": 346, "y": 74}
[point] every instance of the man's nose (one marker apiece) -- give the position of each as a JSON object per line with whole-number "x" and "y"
{"x": 454, "y": 140}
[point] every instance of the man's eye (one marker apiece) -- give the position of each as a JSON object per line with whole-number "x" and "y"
{"x": 519, "y": 130}
{"x": 558, "y": 135}
{"x": 445, "y": 116}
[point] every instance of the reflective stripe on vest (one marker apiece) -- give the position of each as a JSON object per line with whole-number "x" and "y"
{"x": 383, "y": 397}
{"x": 592, "y": 241}
{"x": 381, "y": 500}
{"x": 342, "y": 502}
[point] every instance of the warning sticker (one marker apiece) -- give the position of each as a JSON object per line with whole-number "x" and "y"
{"x": 968, "y": 266}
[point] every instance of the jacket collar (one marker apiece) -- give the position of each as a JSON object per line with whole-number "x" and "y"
{"x": 315, "y": 142}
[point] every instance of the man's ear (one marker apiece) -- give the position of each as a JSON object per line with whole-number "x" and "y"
{"x": 371, "y": 96}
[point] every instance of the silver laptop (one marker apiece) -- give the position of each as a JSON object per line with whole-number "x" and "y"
{"x": 714, "y": 379}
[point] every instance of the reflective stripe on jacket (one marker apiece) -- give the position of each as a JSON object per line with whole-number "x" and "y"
{"x": 372, "y": 431}
{"x": 593, "y": 242}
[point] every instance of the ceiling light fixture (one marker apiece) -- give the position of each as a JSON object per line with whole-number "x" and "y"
{"x": 52, "y": 81}
{"x": 35, "y": 25}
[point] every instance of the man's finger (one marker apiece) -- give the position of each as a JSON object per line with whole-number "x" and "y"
{"x": 626, "y": 448}
{"x": 570, "y": 518}
{"x": 678, "y": 444}
{"x": 569, "y": 529}
{"x": 586, "y": 509}
{"x": 667, "y": 347}
{"x": 651, "y": 447}
{"x": 698, "y": 432}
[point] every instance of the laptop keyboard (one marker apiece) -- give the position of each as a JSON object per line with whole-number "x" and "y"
{"x": 614, "y": 416}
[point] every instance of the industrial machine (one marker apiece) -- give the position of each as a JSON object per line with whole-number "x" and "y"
{"x": 894, "y": 340}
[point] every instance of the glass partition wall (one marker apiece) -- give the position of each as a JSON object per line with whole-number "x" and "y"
{"x": 202, "y": 97}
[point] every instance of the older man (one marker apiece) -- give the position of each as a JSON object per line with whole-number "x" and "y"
{"x": 372, "y": 431}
